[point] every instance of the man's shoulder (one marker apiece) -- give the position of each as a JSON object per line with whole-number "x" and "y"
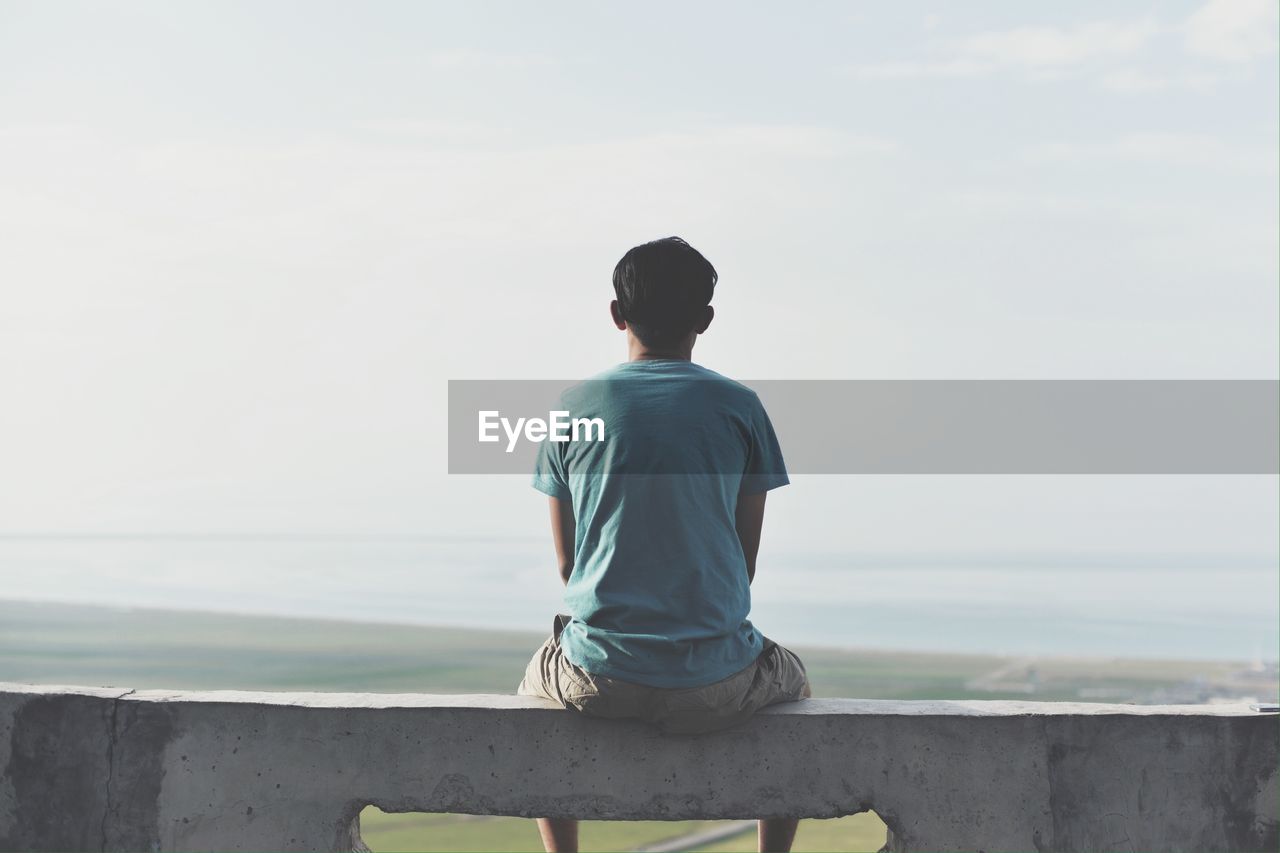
{"x": 723, "y": 381}
{"x": 725, "y": 391}
{"x": 682, "y": 378}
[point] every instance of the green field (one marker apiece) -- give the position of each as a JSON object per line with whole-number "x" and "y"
{"x": 61, "y": 644}
{"x": 54, "y": 643}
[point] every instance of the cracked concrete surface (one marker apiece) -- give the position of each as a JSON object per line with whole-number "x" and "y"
{"x": 86, "y": 769}
{"x": 111, "y": 751}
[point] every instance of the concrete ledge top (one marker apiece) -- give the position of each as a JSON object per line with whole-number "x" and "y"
{"x": 487, "y": 701}
{"x": 109, "y": 768}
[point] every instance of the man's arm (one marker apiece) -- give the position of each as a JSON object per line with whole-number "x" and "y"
{"x": 748, "y": 519}
{"x": 562, "y": 534}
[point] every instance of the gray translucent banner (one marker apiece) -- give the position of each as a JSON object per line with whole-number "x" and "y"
{"x": 943, "y": 426}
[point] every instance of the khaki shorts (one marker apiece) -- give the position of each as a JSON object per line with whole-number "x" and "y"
{"x": 777, "y": 675}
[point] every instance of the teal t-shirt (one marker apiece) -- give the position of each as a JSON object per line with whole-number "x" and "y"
{"x": 659, "y": 592}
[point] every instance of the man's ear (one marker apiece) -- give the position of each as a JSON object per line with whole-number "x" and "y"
{"x": 708, "y": 314}
{"x": 616, "y": 313}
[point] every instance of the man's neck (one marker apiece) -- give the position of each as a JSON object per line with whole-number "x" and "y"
{"x": 637, "y": 351}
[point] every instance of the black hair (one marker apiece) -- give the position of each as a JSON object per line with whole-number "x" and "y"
{"x": 662, "y": 288}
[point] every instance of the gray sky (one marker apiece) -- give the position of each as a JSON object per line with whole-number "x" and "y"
{"x": 243, "y": 246}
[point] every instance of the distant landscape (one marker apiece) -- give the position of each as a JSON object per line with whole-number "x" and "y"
{"x": 140, "y": 648}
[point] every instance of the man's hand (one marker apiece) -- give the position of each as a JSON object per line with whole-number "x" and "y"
{"x": 748, "y": 518}
{"x": 562, "y": 534}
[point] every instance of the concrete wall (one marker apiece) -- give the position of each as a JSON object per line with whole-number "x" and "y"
{"x": 87, "y": 769}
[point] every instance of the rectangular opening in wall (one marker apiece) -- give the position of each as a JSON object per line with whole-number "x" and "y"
{"x": 416, "y": 831}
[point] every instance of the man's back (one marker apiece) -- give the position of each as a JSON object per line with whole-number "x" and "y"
{"x": 659, "y": 593}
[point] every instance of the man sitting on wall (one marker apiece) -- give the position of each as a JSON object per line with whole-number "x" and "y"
{"x": 657, "y": 529}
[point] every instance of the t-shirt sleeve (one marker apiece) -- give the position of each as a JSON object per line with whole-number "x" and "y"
{"x": 765, "y": 469}
{"x": 549, "y": 474}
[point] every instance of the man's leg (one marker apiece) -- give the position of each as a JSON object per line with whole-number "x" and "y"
{"x": 560, "y": 834}
{"x": 777, "y": 835}
{"x": 774, "y": 835}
